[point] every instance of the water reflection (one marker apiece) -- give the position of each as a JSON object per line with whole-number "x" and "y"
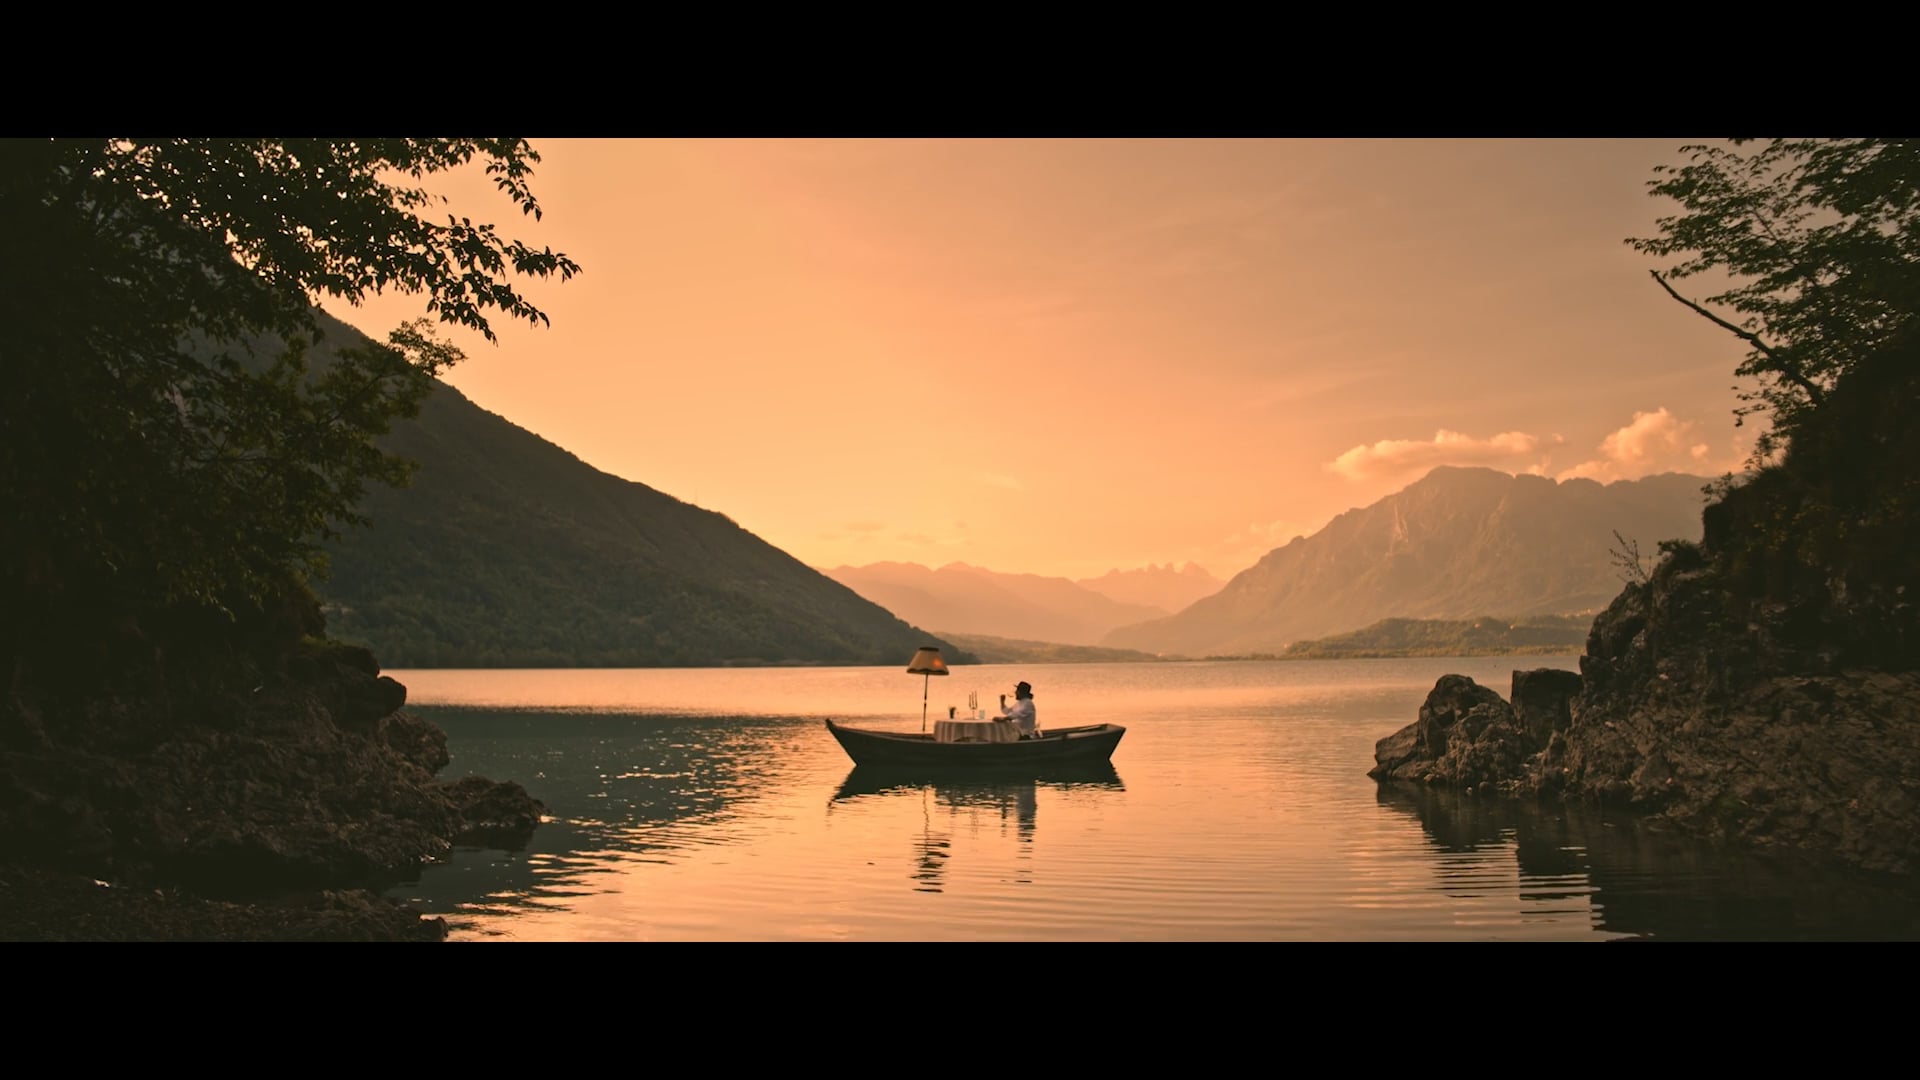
{"x": 1638, "y": 882}
{"x": 1015, "y": 799}
{"x": 621, "y": 791}
{"x": 972, "y": 788}
{"x": 1246, "y": 815}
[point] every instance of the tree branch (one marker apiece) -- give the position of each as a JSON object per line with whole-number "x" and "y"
{"x": 1785, "y": 366}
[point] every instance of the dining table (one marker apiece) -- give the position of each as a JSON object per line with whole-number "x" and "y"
{"x": 990, "y": 731}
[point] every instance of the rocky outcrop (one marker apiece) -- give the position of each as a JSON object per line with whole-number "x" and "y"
{"x": 1469, "y": 737}
{"x": 1762, "y": 687}
{"x": 1668, "y": 721}
{"x": 1749, "y": 731}
{"x": 295, "y": 793}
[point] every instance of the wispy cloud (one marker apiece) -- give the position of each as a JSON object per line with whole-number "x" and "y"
{"x": 1219, "y": 210}
{"x": 929, "y": 540}
{"x": 1045, "y": 305}
{"x": 863, "y": 526}
{"x": 1310, "y": 383}
{"x": 1515, "y": 451}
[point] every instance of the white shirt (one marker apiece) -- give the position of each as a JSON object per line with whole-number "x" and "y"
{"x": 1022, "y": 714}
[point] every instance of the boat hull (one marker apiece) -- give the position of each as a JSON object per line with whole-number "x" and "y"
{"x": 1094, "y": 742}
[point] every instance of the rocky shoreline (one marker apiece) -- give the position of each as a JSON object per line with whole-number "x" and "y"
{"x": 273, "y": 807}
{"x": 42, "y": 905}
{"x": 1751, "y": 724}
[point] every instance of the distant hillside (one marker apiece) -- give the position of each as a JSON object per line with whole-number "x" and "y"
{"x": 1453, "y": 545}
{"x": 970, "y": 600}
{"x": 996, "y": 650}
{"x": 508, "y": 551}
{"x": 1536, "y": 635}
{"x": 1163, "y": 587}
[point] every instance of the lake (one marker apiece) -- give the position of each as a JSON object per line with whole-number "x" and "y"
{"x": 712, "y": 805}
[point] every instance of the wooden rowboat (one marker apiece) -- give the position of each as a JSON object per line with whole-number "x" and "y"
{"x": 1092, "y": 742}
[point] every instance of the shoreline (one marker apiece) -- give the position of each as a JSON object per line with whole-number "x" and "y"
{"x": 41, "y": 904}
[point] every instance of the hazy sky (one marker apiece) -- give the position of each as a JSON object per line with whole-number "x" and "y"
{"x": 1064, "y": 356}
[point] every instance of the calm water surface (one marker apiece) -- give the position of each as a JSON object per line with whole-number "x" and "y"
{"x": 712, "y": 805}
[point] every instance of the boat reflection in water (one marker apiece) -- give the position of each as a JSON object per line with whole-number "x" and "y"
{"x": 1014, "y": 797}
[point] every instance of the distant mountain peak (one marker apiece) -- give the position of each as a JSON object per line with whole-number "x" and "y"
{"x": 1459, "y": 541}
{"x": 1187, "y": 569}
{"x": 1479, "y": 475}
{"x": 1168, "y": 587}
{"x": 1453, "y": 474}
{"x": 974, "y": 600}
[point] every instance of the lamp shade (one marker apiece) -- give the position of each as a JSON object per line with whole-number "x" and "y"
{"x": 927, "y": 662}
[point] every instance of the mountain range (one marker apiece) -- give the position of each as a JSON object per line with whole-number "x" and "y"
{"x": 971, "y": 600}
{"x": 508, "y": 551}
{"x": 1169, "y": 588}
{"x": 1455, "y": 544}
{"x": 1537, "y": 635}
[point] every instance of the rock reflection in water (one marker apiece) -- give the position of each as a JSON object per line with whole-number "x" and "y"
{"x": 619, "y": 790}
{"x": 1645, "y": 884}
{"x": 1015, "y": 797}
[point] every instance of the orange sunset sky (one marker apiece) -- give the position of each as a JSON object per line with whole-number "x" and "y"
{"x": 1066, "y": 356}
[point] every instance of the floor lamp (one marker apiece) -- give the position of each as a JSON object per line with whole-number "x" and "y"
{"x": 926, "y": 662}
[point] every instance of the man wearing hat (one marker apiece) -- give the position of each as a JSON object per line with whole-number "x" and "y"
{"x": 1021, "y": 711}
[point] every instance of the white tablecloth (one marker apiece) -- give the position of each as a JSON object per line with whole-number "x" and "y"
{"x": 975, "y": 731}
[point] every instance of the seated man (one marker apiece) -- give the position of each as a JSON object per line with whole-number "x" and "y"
{"x": 1021, "y": 711}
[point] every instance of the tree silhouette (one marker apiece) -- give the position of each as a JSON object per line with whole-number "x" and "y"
{"x": 1820, "y": 240}
{"x": 164, "y": 441}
